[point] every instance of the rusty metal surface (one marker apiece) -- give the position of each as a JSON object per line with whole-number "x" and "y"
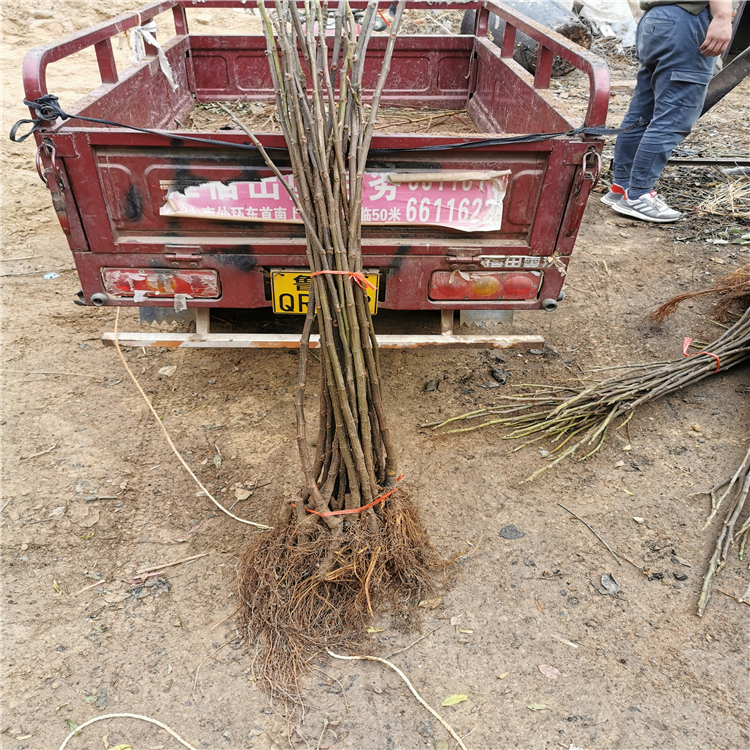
{"x": 108, "y": 183}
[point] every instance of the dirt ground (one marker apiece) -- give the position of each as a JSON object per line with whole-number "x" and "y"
{"x": 91, "y": 491}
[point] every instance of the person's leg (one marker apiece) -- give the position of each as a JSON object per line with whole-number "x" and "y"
{"x": 641, "y": 108}
{"x": 680, "y": 80}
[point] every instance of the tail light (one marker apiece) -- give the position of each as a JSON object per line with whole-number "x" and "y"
{"x": 484, "y": 285}
{"x": 161, "y": 283}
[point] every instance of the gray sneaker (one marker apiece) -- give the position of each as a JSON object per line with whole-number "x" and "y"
{"x": 649, "y": 207}
{"x": 614, "y": 195}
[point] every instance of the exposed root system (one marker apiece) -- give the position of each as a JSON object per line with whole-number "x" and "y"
{"x": 734, "y": 288}
{"x": 298, "y": 599}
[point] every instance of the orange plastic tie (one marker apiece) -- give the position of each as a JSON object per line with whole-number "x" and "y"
{"x": 356, "y": 275}
{"x": 354, "y": 510}
{"x": 686, "y": 345}
{"x": 380, "y": 13}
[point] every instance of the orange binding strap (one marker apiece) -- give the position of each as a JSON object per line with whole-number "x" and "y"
{"x": 355, "y": 510}
{"x": 356, "y": 275}
{"x": 686, "y": 344}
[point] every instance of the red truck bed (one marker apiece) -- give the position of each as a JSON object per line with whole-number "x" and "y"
{"x": 109, "y": 183}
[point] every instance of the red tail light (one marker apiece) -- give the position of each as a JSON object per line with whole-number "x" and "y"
{"x": 161, "y": 283}
{"x": 484, "y": 285}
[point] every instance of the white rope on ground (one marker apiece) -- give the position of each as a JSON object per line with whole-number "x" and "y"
{"x": 85, "y": 724}
{"x": 408, "y": 684}
{"x": 169, "y": 439}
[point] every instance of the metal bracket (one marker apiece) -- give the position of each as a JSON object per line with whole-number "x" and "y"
{"x": 184, "y": 258}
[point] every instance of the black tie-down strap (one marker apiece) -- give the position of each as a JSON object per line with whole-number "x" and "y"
{"x": 48, "y": 110}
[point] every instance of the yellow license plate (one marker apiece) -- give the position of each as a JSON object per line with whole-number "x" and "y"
{"x": 291, "y": 290}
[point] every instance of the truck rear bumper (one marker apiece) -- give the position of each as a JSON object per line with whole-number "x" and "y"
{"x": 204, "y": 338}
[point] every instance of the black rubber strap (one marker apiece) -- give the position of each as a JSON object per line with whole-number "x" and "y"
{"x": 48, "y": 110}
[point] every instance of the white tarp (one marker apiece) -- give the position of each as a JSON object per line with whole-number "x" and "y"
{"x": 610, "y": 18}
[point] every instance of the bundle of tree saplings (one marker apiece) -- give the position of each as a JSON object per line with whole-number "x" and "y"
{"x": 351, "y": 537}
{"x": 734, "y": 490}
{"x": 576, "y": 418}
{"x": 733, "y": 290}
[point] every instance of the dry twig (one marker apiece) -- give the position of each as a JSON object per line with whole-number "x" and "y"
{"x": 40, "y": 453}
{"x": 104, "y": 717}
{"x": 171, "y": 564}
{"x": 169, "y": 439}
{"x": 409, "y": 685}
{"x": 611, "y": 552}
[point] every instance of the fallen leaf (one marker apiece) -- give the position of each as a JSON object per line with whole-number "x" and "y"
{"x": 373, "y": 629}
{"x": 241, "y": 494}
{"x": 454, "y": 700}
{"x": 628, "y": 492}
{"x": 628, "y": 447}
{"x": 168, "y": 371}
{"x": 537, "y": 707}
{"x": 638, "y": 519}
{"x": 97, "y": 627}
{"x": 548, "y": 671}
{"x": 121, "y": 747}
{"x": 619, "y": 464}
{"x": 443, "y": 745}
{"x": 72, "y": 726}
{"x": 465, "y": 630}
{"x": 503, "y": 675}
{"x": 217, "y": 461}
{"x": 610, "y": 584}
{"x": 89, "y": 699}
{"x": 56, "y": 587}
{"x": 431, "y": 603}
{"x": 23, "y": 737}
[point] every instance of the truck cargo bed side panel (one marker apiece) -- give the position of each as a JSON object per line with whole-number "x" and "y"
{"x": 428, "y": 71}
{"x": 505, "y": 99}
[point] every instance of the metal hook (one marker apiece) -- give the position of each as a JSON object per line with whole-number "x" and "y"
{"x": 48, "y": 148}
{"x": 38, "y": 162}
{"x": 587, "y": 173}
